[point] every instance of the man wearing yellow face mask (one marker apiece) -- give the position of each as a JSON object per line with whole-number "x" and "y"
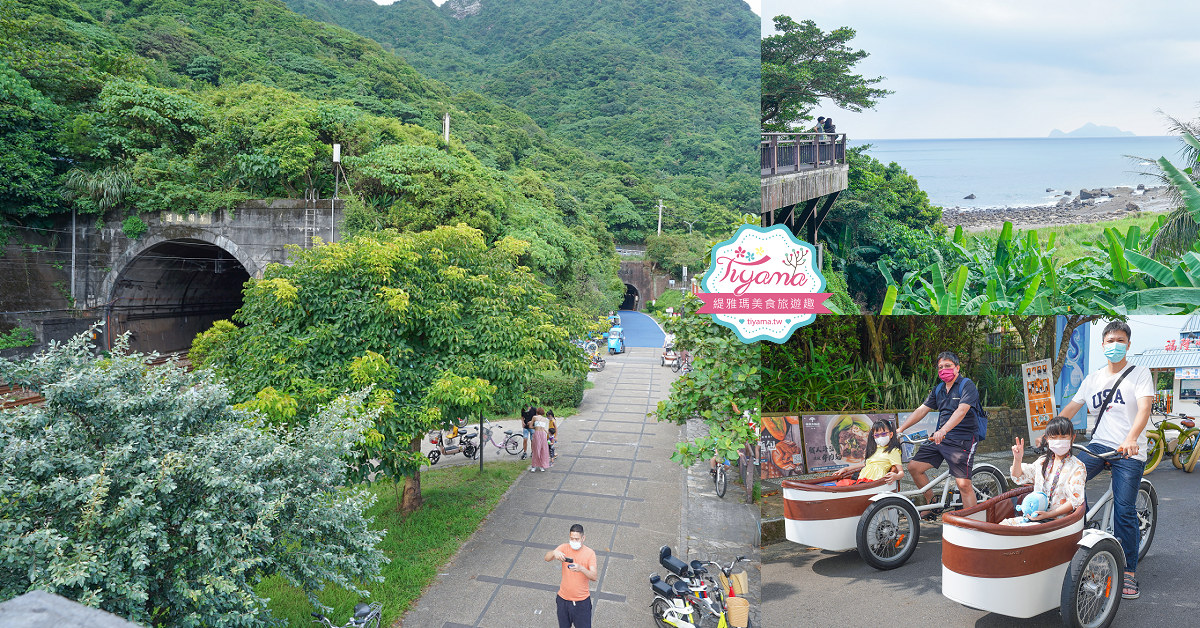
{"x": 1118, "y": 398}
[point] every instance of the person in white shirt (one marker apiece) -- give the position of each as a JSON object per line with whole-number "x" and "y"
{"x": 1123, "y": 410}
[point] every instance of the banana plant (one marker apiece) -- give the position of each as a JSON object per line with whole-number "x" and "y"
{"x": 1015, "y": 276}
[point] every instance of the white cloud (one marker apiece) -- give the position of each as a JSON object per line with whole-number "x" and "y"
{"x": 1014, "y": 68}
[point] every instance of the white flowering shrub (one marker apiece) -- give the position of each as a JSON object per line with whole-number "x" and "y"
{"x": 139, "y": 490}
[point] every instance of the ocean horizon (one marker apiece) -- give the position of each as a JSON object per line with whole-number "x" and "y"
{"x": 1015, "y": 172}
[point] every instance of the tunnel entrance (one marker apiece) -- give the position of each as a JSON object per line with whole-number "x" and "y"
{"x": 632, "y": 299}
{"x": 172, "y": 291}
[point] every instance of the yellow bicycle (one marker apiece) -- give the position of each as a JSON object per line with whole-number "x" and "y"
{"x": 1178, "y": 440}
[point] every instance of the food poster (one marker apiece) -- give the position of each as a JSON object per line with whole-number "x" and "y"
{"x": 781, "y": 446}
{"x": 922, "y": 429}
{"x": 1039, "y": 396}
{"x": 833, "y": 441}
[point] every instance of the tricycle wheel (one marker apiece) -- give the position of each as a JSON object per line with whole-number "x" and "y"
{"x": 888, "y": 533}
{"x": 662, "y": 361}
{"x": 434, "y": 456}
{"x": 1147, "y": 514}
{"x": 1091, "y": 590}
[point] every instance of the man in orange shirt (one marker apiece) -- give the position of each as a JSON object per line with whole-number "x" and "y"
{"x": 578, "y": 566}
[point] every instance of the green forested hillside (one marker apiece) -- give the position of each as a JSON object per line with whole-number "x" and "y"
{"x": 146, "y": 106}
{"x": 668, "y": 87}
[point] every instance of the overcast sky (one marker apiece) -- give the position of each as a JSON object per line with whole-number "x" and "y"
{"x": 1149, "y": 332}
{"x": 1014, "y": 68}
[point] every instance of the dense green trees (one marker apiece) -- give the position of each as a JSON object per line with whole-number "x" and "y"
{"x": 666, "y": 87}
{"x": 27, "y": 147}
{"x": 421, "y": 317}
{"x": 181, "y": 107}
{"x": 141, "y": 491}
{"x": 802, "y": 65}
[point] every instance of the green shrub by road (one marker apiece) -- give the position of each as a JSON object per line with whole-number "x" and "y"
{"x": 457, "y": 499}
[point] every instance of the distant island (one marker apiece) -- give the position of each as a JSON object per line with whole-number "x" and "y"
{"x": 1093, "y": 130}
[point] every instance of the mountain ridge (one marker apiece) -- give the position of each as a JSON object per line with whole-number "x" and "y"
{"x": 1093, "y": 130}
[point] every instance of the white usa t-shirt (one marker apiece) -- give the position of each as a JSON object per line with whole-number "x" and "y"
{"x": 1118, "y": 419}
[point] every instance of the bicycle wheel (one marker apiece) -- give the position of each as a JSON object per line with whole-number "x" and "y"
{"x": 988, "y": 482}
{"x": 721, "y": 480}
{"x": 888, "y": 533}
{"x": 1147, "y": 514}
{"x": 1185, "y": 450}
{"x": 658, "y": 610}
{"x": 1154, "y": 452}
{"x": 591, "y": 348}
{"x": 677, "y": 365}
{"x": 1091, "y": 590}
{"x": 512, "y": 445}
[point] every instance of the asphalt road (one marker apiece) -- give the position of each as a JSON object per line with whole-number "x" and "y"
{"x": 641, "y": 330}
{"x": 806, "y": 587}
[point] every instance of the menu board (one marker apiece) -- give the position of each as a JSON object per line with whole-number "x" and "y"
{"x": 1038, "y": 380}
{"x": 781, "y": 446}
{"x": 833, "y": 441}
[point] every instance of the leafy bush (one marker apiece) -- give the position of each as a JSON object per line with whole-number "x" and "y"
{"x": 134, "y": 227}
{"x": 669, "y": 299}
{"x": 142, "y": 492}
{"x": 557, "y": 389}
{"x": 17, "y": 337}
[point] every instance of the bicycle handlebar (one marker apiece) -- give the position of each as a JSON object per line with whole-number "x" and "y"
{"x": 1103, "y": 456}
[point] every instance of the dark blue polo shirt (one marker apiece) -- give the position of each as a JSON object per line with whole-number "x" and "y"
{"x": 946, "y": 402}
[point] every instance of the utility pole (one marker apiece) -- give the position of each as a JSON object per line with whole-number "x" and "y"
{"x": 446, "y": 129}
{"x": 689, "y": 224}
{"x": 660, "y": 216}
{"x": 337, "y": 165}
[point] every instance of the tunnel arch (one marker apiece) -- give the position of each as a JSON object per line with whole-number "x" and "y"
{"x": 633, "y": 298}
{"x": 167, "y": 290}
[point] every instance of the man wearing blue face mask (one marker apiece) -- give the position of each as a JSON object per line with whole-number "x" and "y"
{"x": 1118, "y": 398}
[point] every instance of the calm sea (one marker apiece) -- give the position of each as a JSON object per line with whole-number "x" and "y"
{"x": 1016, "y": 171}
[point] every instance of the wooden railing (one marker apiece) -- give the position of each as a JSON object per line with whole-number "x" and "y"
{"x": 783, "y": 153}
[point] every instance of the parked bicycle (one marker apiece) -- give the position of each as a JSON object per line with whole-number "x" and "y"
{"x": 365, "y": 616}
{"x": 1176, "y": 440}
{"x": 597, "y": 363}
{"x": 513, "y": 442}
{"x": 683, "y": 362}
{"x": 720, "y": 477}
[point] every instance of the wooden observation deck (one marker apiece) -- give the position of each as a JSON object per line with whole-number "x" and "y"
{"x": 802, "y": 176}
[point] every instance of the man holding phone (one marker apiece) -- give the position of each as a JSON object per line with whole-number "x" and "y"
{"x": 578, "y": 567}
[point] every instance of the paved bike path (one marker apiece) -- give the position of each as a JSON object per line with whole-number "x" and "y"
{"x": 614, "y": 476}
{"x": 641, "y": 330}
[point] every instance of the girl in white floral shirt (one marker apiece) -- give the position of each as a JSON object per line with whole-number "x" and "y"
{"x": 1058, "y": 474}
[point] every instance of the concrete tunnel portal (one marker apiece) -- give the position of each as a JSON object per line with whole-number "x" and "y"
{"x": 171, "y": 291}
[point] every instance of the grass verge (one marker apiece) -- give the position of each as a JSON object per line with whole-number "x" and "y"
{"x": 1068, "y": 243}
{"x": 456, "y": 500}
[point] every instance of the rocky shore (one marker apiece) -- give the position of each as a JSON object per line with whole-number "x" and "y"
{"x": 1086, "y": 206}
